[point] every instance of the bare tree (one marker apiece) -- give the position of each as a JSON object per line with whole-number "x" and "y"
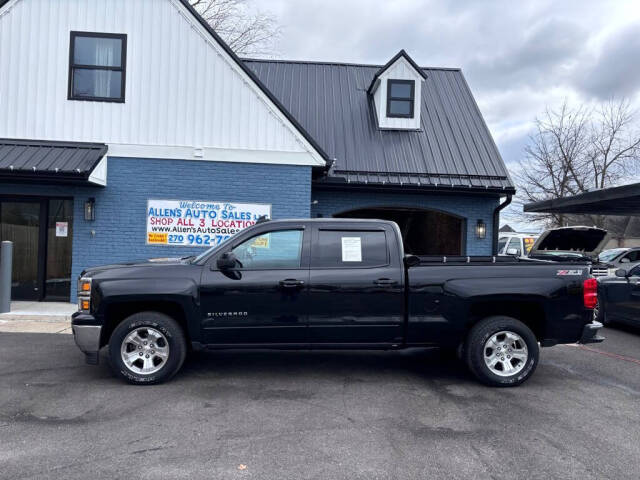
{"x": 552, "y": 157}
{"x": 245, "y": 32}
{"x": 575, "y": 150}
{"x": 614, "y": 145}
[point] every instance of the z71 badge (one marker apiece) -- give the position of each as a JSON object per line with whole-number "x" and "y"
{"x": 569, "y": 272}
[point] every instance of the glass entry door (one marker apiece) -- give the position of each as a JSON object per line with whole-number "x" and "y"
{"x": 41, "y": 232}
{"x": 20, "y": 224}
{"x": 59, "y": 235}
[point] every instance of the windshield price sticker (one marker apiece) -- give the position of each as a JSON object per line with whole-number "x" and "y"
{"x": 199, "y": 223}
{"x": 351, "y": 249}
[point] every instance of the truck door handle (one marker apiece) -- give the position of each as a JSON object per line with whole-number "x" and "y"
{"x": 291, "y": 283}
{"x": 384, "y": 282}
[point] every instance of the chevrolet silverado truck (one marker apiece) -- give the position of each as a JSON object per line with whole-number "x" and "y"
{"x": 332, "y": 284}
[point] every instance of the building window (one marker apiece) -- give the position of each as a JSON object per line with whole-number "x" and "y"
{"x": 400, "y": 97}
{"x": 97, "y": 66}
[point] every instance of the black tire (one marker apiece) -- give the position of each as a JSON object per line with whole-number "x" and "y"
{"x": 474, "y": 351}
{"x": 176, "y": 345}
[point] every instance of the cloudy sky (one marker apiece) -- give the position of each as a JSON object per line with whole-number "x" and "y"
{"x": 518, "y": 56}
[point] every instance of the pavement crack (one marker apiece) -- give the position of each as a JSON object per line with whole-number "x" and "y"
{"x": 154, "y": 449}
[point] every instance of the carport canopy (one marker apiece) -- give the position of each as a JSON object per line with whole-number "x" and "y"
{"x": 623, "y": 200}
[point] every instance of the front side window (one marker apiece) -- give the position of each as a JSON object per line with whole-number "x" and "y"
{"x": 631, "y": 257}
{"x": 400, "y": 96}
{"x": 272, "y": 250}
{"x": 97, "y": 64}
{"x": 350, "y": 249}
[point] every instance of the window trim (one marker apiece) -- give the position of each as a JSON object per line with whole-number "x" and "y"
{"x": 122, "y": 68}
{"x": 411, "y": 100}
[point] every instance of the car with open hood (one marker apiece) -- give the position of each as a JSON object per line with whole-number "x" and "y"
{"x": 570, "y": 244}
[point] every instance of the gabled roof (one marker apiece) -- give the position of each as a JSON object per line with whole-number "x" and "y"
{"x": 384, "y": 68}
{"x": 252, "y": 78}
{"x": 452, "y": 150}
{"x": 56, "y": 162}
{"x": 257, "y": 81}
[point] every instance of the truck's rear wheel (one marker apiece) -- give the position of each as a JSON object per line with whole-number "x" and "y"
{"x": 147, "y": 348}
{"x": 501, "y": 351}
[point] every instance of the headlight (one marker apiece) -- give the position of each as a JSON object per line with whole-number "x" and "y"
{"x": 84, "y": 294}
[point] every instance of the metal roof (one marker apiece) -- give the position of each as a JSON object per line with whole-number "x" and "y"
{"x": 453, "y": 148}
{"x": 623, "y": 200}
{"x": 36, "y": 160}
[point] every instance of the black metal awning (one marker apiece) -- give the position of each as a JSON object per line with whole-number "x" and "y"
{"x": 624, "y": 200}
{"x": 41, "y": 161}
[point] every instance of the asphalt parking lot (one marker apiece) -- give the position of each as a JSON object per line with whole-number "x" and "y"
{"x": 280, "y": 415}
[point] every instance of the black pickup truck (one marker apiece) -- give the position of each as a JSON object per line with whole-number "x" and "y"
{"x": 332, "y": 284}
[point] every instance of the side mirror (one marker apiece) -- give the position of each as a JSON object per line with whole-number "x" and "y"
{"x": 512, "y": 251}
{"x": 622, "y": 273}
{"x": 411, "y": 260}
{"x": 226, "y": 261}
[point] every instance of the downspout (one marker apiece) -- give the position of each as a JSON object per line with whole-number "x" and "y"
{"x": 496, "y": 223}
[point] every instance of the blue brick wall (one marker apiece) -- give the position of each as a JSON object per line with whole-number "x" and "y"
{"x": 119, "y": 231}
{"x": 470, "y": 207}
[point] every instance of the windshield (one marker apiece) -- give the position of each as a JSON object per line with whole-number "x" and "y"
{"x": 609, "y": 255}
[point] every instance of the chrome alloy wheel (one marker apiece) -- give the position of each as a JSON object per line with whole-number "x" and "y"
{"x": 144, "y": 351}
{"x": 505, "y": 353}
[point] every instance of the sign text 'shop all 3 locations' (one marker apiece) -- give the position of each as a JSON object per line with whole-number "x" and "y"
{"x": 199, "y": 223}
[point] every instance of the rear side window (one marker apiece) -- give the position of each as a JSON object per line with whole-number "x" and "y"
{"x": 515, "y": 244}
{"x": 349, "y": 249}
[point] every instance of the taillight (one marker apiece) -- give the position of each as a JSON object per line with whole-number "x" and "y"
{"x": 590, "y": 292}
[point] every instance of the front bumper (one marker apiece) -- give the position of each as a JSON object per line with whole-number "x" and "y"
{"x": 87, "y": 337}
{"x": 590, "y": 333}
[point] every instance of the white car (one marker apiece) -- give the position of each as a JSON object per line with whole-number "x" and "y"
{"x": 518, "y": 244}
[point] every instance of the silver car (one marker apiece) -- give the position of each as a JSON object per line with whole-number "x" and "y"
{"x": 614, "y": 258}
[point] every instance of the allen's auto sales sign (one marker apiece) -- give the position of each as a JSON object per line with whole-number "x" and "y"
{"x": 199, "y": 223}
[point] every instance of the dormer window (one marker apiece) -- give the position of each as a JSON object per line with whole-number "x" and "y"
{"x": 400, "y": 98}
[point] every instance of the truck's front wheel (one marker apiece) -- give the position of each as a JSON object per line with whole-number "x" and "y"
{"x": 147, "y": 348}
{"x": 501, "y": 351}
